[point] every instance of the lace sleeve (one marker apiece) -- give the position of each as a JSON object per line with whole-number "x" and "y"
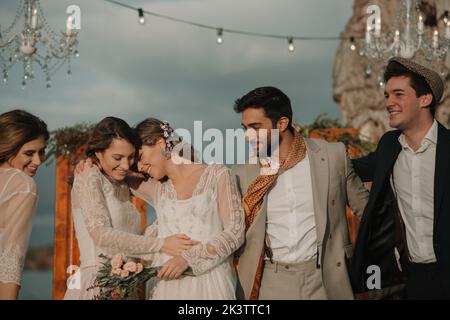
{"x": 151, "y": 230}
{"x": 18, "y": 212}
{"x": 89, "y": 187}
{"x": 145, "y": 190}
{"x": 206, "y": 256}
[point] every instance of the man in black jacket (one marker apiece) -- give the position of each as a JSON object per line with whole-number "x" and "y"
{"x": 405, "y": 228}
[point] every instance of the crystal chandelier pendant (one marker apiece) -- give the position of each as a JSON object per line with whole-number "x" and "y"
{"x": 409, "y": 40}
{"x": 413, "y": 36}
{"x": 35, "y": 45}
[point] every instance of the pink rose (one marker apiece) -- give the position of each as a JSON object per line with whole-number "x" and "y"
{"x": 117, "y": 261}
{"x": 124, "y": 273}
{"x": 116, "y": 295}
{"x": 139, "y": 268}
{"x": 130, "y": 266}
{"x": 116, "y": 271}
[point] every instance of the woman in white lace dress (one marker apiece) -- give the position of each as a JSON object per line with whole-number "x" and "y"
{"x": 105, "y": 220}
{"x": 199, "y": 200}
{"x": 23, "y": 138}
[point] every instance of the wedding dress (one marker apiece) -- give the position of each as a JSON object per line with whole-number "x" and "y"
{"x": 213, "y": 216}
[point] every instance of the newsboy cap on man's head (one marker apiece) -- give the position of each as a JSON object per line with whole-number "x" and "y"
{"x": 431, "y": 77}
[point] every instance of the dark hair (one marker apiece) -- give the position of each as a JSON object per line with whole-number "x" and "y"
{"x": 105, "y": 131}
{"x": 417, "y": 82}
{"x": 19, "y": 127}
{"x": 275, "y": 103}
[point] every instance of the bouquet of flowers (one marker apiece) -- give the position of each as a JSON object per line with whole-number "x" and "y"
{"x": 120, "y": 277}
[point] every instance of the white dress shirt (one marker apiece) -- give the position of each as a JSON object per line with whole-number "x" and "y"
{"x": 413, "y": 181}
{"x": 291, "y": 225}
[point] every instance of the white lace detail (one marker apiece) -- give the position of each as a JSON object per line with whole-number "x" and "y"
{"x": 109, "y": 218}
{"x": 18, "y": 201}
{"x": 170, "y": 192}
{"x": 152, "y": 230}
{"x": 12, "y": 260}
{"x": 213, "y": 215}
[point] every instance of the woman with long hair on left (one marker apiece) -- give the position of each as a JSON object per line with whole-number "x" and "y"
{"x": 23, "y": 139}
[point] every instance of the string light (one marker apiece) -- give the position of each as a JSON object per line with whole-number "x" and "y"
{"x": 141, "y": 16}
{"x": 380, "y": 81}
{"x": 220, "y": 31}
{"x": 352, "y": 44}
{"x": 219, "y": 36}
{"x": 291, "y": 46}
{"x": 445, "y": 17}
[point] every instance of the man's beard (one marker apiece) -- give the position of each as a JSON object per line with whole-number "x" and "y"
{"x": 270, "y": 148}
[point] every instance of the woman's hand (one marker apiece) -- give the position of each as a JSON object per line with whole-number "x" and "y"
{"x": 173, "y": 269}
{"x": 176, "y": 244}
{"x": 9, "y": 291}
{"x": 81, "y": 165}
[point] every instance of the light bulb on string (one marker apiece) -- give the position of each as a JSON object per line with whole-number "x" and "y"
{"x": 445, "y": 17}
{"x": 291, "y": 46}
{"x": 381, "y": 81}
{"x": 141, "y": 16}
{"x": 352, "y": 44}
{"x": 219, "y": 36}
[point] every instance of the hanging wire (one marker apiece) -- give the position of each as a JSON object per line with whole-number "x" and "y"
{"x": 226, "y": 30}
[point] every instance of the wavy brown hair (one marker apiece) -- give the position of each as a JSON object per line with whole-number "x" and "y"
{"x": 19, "y": 127}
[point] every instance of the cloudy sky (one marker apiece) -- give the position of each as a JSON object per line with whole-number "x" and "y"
{"x": 177, "y": 72}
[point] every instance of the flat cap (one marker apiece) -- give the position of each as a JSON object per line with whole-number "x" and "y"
{"x": 431, "y": 77}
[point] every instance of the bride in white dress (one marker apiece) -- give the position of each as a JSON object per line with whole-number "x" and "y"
{"x": 105, "y": 220}
{"x": 201, "y": 201}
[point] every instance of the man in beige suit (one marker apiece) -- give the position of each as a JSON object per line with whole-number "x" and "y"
{"x": 297, "y": 242}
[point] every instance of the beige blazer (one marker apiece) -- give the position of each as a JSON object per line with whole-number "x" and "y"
{"x": 335, "y": 185}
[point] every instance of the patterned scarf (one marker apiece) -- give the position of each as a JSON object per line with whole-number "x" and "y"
{"x": 254, "y": 198}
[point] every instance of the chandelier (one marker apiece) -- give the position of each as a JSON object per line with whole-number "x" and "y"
{"x": 415, "y": 35}
{"x": 36, "y": 44}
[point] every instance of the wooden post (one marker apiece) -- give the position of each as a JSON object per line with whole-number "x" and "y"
{"x": 141, "y": 205}
{"x": 66, "y": 251}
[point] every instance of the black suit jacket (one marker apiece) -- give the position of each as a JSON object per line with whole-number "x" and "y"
{"x": 381, "y": 229}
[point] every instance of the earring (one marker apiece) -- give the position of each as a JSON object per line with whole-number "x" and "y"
{"x": 165, "y": 154}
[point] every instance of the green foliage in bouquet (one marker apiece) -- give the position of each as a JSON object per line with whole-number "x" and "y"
{"x": 119, "y": 278}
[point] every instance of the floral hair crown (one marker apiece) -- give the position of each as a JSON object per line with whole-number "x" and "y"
{"x": 169, "y": 135}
